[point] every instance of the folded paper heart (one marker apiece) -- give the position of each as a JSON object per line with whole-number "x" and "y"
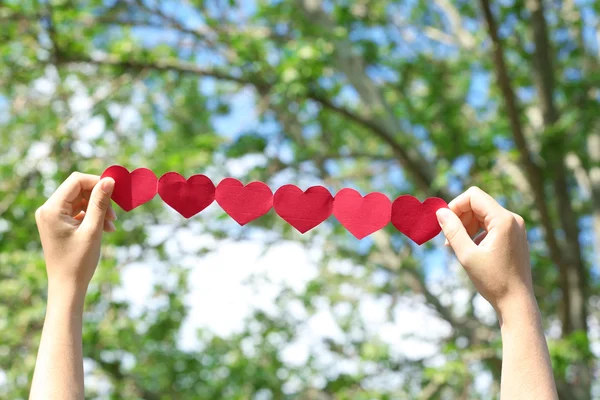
{"x": 361, "y": 215}
{"x": 244, "y": 203}
{"x": 304, "y": 210}
{"x": 415, "y": 219}
{"x": 132, "y": 189}
{"x": 188, "y": 197}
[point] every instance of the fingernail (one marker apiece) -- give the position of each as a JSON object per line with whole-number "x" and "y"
{"x": 442, "y": 215}
{"x": 446, "y": 243}
{"x": 107, "y": 185}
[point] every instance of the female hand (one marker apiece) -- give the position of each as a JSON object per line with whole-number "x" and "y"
{"x": 497, "y": 260}
{"x": 70, "y": 224}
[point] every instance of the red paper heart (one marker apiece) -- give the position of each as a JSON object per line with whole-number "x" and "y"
{"x": 244, "y": 203}
{"x": 187, "y": 197}
{"x": 361, "y": 215}
{"x": 132, "y": 189}
{"x": 303, "y": 210}
{"x": 415, "y": 219}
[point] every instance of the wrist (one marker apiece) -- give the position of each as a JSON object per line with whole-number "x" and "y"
{"x": 65, "y": 297}
{"x": 518, "y": 309}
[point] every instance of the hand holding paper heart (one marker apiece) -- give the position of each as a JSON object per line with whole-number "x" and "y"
{"x": 304, "y": 210}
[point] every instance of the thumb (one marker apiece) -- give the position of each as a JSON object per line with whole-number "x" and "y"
{"x": 455, "y": 232}
{"x": 99, "y": 203}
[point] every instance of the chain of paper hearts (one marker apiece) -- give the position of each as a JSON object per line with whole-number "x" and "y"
{"x": 304, "y": 210}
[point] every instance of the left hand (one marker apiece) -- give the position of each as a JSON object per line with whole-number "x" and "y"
{"x": 70, "y": 224}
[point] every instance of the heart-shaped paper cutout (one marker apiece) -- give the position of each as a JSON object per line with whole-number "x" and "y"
{"x": 361, "y": 215}
{"x": 132, "y": 189}
{"x": 415, "y": 219}
{"x": 244, "y": 203}
{"x": 303, "y": 210}
{"x": 187, "y": 197}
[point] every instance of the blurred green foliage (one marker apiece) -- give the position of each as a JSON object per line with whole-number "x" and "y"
{"x": 399, "y": 97}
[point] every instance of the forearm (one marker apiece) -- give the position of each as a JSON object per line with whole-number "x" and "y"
{"x": 526, "y": 366}
{"x": 59, "y": 366}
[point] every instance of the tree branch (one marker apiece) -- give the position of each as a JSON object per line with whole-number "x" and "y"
{"x": 378, "y": 111}
{"x": 465, "y": 38}
{"x": 383, "y": 125}
{"x": 533, "y": 171}
{"x": 158, "y": 65}
{"x": 416, "y": 168}
{"x": 575, "y": 285}
{"x": 575, "y": 305}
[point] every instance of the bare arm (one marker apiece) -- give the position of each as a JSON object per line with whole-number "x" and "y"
{"x": 70, "y": 223}
{"x": 497, "y": 262}
{"x": 526, "y": 367}
{"x": 59, "y": 366}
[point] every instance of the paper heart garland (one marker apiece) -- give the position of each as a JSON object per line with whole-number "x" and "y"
{"x": 244, "y": 203}
{"x": 304, "y": 210}
{"x": 415, "y": 219}
{"x": 362, "y": 215}
{"x": 132, "y": 189}
{"x": 187, "y": 197}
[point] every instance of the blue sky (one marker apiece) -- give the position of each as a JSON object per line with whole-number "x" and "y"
{"x": 243, "y": 118}
{"x": 219, "y": 277}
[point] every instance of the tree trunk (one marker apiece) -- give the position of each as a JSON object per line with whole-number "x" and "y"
{"x": 594, "y": 178}
{"x": 574, "y": 316}
{"x": 566, "y": 255}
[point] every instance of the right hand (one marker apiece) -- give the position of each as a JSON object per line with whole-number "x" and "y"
{"x": 71, "y": 223}
{"x": 497, "y": 260}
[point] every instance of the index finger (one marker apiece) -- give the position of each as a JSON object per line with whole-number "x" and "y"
{"x": 73, "y": 186}
{"x": 483, "y": 206}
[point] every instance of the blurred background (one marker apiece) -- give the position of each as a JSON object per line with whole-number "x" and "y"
{"x": 418, "y": 97}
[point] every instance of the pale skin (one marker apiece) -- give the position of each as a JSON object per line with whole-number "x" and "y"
{"x": 72, "y": 221}
{"x": 71, "y": 224}
{"x": 497, "y": 262}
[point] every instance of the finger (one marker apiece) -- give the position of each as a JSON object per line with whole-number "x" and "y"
{"x": 109, "y": 226}
{"x": 107, "y": 218}
{"x": 466, "y": 217}
{"x": 73, "y": 186}
{"x": 483, "y": 206}
{"x": 470, "y": 223}
{"x": 78, "y": 206}
{"x": 78, "y": 200}
{"x": 98, "y": 205}
{"x": 519, "y": 219}
{"x": 473, "y": 227}
{"x": 111, "y": 215}
{"x": 80, "y": 216}
{"x": 456, "y": 234}
{"x": 480, "y": 238}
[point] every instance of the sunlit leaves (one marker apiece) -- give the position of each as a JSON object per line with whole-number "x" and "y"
{"x": 310, "y": 122}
